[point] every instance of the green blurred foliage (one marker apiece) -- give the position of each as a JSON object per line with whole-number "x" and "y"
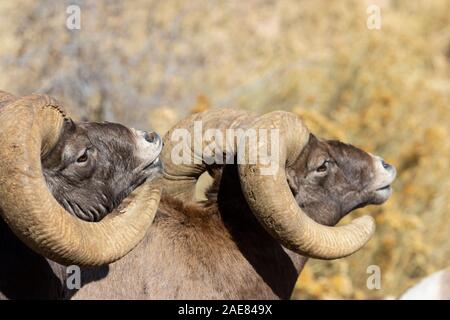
{"x": 149, "y": 63}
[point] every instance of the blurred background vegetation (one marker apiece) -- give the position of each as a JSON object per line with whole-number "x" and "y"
{"x": 150, "y": 63}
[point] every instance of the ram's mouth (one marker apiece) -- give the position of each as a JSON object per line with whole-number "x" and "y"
{"x": 385, "y": 188}
{"x": 382, "y": 194}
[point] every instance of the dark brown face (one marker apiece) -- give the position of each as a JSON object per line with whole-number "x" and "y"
{"x": 331, "y": 178}
{"x": 95, "y": 166}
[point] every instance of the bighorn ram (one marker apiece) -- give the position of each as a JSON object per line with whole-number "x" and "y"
{"x": 253, "y": 235}
{"x": 89, "y": 168}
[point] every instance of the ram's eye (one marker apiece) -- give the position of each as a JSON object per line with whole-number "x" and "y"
{"x": 83, "y": 157}
{"x": 323, "y": 167}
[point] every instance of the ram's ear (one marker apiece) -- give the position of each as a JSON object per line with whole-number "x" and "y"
{"x": 52, "y": 158}
{"x": 69, "y": 125}
{"x": 292, "y": 180}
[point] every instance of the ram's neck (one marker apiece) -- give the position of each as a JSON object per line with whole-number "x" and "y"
{"x": 252, "y": 239}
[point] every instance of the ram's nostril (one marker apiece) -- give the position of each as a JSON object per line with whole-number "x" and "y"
{"x": 386, "y": 165}
{"x": 151, "y": 137}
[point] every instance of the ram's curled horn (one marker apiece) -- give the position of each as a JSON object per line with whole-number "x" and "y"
{"x": 278, "y": 211}
{"x": 180, "y": 178}
{"x": 29, "y": 128}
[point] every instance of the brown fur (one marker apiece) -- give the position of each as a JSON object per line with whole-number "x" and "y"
{"x": 192, "y": 251}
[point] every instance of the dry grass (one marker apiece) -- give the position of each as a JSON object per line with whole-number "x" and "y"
{"x": 387, "y": 91}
